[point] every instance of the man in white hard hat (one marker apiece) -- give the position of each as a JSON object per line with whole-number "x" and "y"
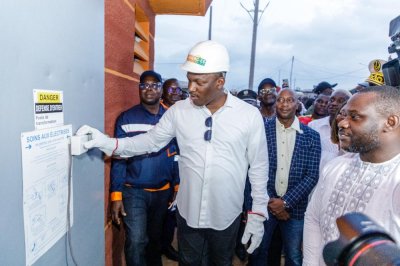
{"x": 221, "y": 139}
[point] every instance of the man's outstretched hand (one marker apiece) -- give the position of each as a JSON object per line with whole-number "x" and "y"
{"x": 98, "y": 140}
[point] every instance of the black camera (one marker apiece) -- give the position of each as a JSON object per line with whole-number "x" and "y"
{"x": 391, "y": 70}
{"x": 362, "y": 242}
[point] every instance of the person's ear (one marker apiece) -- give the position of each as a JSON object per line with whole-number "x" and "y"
{"x": 392, "y": 123}
{"x": 220, "y": 83}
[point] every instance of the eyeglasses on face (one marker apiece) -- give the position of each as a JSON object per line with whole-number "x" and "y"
{"x": 267, "y": 91}
{"x": 176, "y": 90}
{"x": 146, "y": 86}
{"x": 289, "y": 100}
{"x": 208, "y": 133}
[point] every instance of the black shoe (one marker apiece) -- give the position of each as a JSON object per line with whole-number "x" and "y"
{"x": 171, "y": 253}
{"x": 240, "y": 252}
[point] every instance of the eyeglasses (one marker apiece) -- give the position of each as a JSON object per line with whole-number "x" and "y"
{"x": 146, "y": 86}
{"x": 176, "y": 90}
{"x": 207, "y": 134}
{"x": 267, "y": 91}
{"x": 289, "y": 100}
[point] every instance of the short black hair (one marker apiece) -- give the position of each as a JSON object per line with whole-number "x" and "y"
{"x": 387, "y": 99}
{"x": 221, "y": 74}
{"x": 169, "y": 81}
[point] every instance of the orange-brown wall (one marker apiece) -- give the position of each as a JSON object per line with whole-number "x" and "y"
{"x": 121, "y": 92}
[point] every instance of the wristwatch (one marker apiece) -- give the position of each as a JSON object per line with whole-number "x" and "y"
{"x": 285, "y": 205}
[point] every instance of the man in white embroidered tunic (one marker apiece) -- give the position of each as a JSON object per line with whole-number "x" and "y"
{"x": 368, "y": 182}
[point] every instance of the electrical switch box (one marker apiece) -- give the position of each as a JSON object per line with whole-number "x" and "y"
{"x": 77, "y": 142}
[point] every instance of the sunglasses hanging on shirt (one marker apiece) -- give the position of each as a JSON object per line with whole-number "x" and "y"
{"x": 208, "y": 133}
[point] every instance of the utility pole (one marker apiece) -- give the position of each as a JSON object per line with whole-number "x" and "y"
{"x": 291, "y": 72}
{"x": 256, "y": 20}
{"x": 253, "y": 45}
{"x": 210, "y": 24}
{"x": 279, "y": 78}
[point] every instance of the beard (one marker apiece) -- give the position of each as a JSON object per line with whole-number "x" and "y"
{"x": 364, "y": 143}
{"x": 268, "y": 102}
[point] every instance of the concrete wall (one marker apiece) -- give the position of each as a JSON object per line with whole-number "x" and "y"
{"x": 59, "y": 45}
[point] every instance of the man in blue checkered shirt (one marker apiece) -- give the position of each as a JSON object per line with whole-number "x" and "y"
{"x": 294, "y": 152}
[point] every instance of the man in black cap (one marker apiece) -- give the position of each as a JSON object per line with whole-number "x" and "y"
{"x": 248, "y": 96}
{"x": 323, "y": 88}
{"x": 267, "y": 96}
{"x": 140, "y": 185}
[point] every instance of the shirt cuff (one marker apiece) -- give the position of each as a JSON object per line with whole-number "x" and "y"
{"x": 120, "y": 146}
{"x": 116, "y": 196}
{"x": 260, "y": 210}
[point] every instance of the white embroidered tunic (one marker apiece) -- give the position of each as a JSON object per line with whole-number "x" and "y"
{"x": 346, "y": 185}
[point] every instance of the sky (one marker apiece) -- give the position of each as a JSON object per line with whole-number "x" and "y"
{"x": 331, "y": 40}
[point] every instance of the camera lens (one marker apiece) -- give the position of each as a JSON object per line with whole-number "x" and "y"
{"x": 362, "y": 242}
{"x": 373, "y": 251}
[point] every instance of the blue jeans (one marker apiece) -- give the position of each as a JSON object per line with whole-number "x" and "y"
{"x": 292, "y": 238}
{"x": 145, "y": 213}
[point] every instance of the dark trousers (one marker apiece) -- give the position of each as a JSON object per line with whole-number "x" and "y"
{"x": 145, "y": 214}
{"x": 275, "y": 248}
{"x": 206, "y": 247}
{"x": 169, "y": 229}
{"x": 242, "y": 226}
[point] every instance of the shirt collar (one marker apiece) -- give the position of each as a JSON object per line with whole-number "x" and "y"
{"x": 166, "y": 107}
{"x": 326, "y": 121}
{"x": 295, "y": 125}
{"x": 229, "y": 99}
{"x": 161, "y": 110}
{"x": 229, "y": 102}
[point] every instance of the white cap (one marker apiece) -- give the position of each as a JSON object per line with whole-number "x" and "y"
{"x": 207, "y": 57}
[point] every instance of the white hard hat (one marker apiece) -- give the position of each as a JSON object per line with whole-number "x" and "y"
{"x": 207, "y": 57}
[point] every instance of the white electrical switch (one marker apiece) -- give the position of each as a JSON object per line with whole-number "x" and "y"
{"x": 77, "y": 142}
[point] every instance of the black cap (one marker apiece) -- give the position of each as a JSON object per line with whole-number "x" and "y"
{"x": 265, "y": 82}
{"x": 150, "y": 73}
{"x": 322, "y": 86}
{"x": 247, "y": 94}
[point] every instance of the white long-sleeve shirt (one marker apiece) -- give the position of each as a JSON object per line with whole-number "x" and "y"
{"x": 212, "y": 173}
{"x": 346, "y": 185}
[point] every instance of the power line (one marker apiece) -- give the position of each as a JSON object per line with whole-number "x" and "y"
{"x": 315, "y": 77}
{"x": 319, "y": 68}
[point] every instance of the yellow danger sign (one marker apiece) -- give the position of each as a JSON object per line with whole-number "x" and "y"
{"x": 48, "y": 97}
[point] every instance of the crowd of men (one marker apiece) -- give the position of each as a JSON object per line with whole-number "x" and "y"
{"x": 255, "y": 168}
